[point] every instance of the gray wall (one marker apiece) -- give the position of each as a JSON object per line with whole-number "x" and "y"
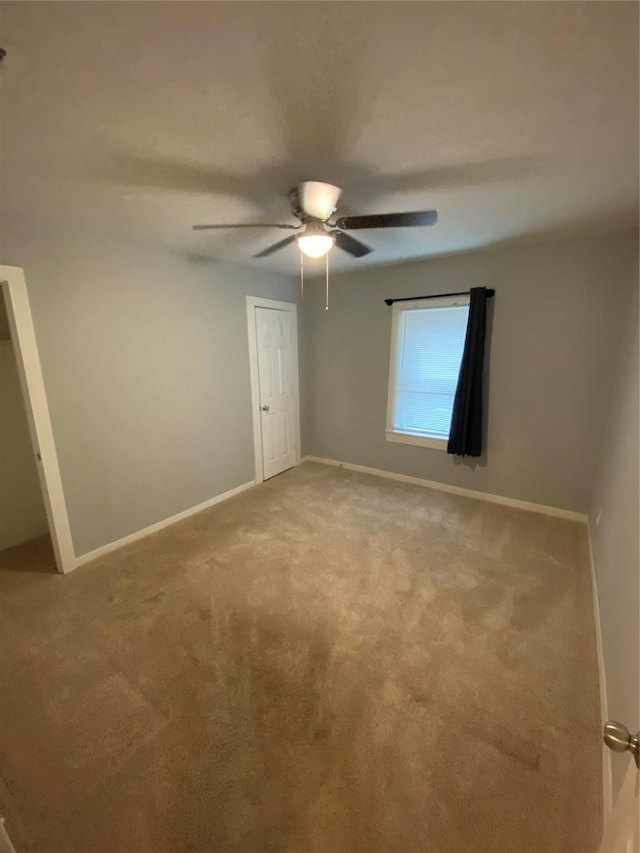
{"x": 614, "y": 537}
{"x": 22, "y": 515}
{"x": 555, "y": 321}
{"x": 145, "y": 363}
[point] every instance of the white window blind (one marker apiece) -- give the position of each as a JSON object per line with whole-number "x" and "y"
{"x": 428, "y": 342}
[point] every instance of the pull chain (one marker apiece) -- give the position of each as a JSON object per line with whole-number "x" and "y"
{"x": 326, "y": 298}
{"x": 302, "y": 275}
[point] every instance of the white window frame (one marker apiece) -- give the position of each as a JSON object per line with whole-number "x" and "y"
{"x": 397, "y": 309}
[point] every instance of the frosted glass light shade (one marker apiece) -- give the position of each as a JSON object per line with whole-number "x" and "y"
{"x": 315, "y": 245}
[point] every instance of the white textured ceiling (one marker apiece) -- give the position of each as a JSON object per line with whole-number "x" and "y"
{"x": 140, "y": 118}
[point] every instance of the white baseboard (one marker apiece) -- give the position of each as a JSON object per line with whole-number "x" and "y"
{"x": 159, "y": 525}
{"x": 607, "y": 785}
{"x": 455, "y": 490}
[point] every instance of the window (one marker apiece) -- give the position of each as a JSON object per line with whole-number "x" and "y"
{"x": 427, "y": 341}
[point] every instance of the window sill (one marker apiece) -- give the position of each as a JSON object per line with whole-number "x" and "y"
{"x": 419, "y": 440}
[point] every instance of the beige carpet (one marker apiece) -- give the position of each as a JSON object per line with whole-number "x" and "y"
{"x": 329, "y": 662}
{"x": 35, "y": 555}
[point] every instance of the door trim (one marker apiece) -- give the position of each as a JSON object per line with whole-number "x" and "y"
{"x": 254, "y": 302}
{"x": 23, "y": 340}
{"x": 619, "y": 829}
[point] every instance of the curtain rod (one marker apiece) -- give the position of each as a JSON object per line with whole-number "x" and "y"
{"x": 490, "y": 292}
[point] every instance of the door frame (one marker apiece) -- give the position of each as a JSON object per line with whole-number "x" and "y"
{"x": 620, "y": 823}
{"x": 254, "y": 302}
{"x": 25, "y": 348}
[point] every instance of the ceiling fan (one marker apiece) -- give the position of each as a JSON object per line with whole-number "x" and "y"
{"x": 313, "y": 203}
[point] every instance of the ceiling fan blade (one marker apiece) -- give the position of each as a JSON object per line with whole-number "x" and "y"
{"x": 276, "y": 246}
{"x": 349, "y": 244}
{"x": 245, "y": 225}
{"x": 389, "y": 220}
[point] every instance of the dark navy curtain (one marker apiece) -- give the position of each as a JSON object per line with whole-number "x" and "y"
{"x": 465, "y": 434}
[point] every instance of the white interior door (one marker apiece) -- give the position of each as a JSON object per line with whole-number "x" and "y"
{"x": 14, "y": 292}
{"x": 277, "y": 396}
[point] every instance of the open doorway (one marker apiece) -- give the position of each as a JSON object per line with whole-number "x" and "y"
{"x": 25, "y": 542}
{"x": 34, "y": 528}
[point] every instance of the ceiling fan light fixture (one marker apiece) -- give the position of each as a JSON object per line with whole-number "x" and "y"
{"x": 317, "y": 199}
{"x": 315, "y": 244}
{"x": 313, "y": 203}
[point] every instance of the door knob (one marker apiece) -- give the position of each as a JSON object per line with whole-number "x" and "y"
{"x": 265, "y": 408}
{"x": 618, "y": 738}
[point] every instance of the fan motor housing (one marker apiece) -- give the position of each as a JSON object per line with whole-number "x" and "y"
{"x": 314, "y": 201}
{"x": 296, "y": 209}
